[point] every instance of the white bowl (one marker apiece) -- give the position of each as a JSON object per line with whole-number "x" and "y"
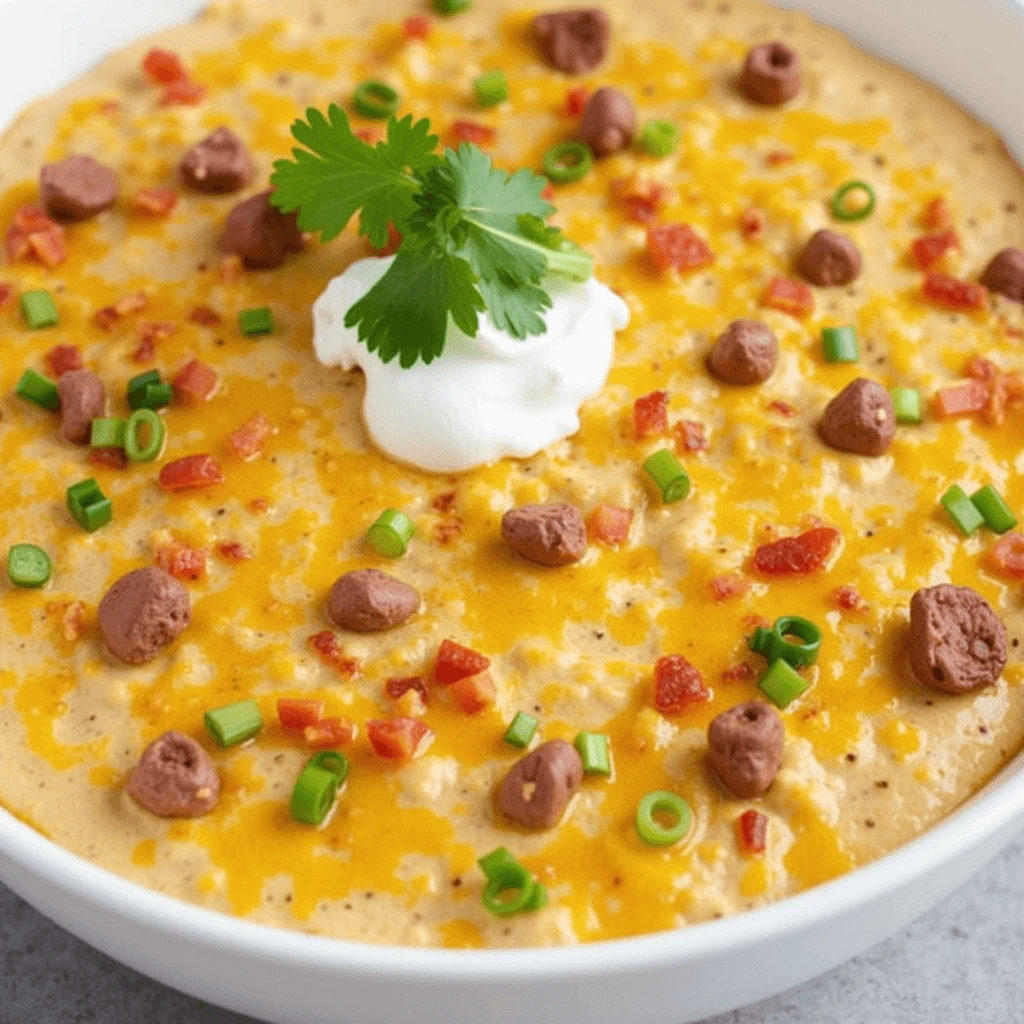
{"x": 972, "y": 49}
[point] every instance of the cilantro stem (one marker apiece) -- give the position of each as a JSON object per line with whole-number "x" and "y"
{"x": 571, "y": 261}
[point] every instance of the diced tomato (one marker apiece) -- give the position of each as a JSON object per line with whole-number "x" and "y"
{"x": 394, "y": 242}
{"x": 472, "y": 132}
{"x": 329, "y": 732}
{"x": 1007, "y": 556}
{"x": 259, "y": 506}
{"x": 796, "y": 556}
{"x": 752, "y": 223}
{"x": 927, "y": 250}
{"x": 63, "y": 358}
{"x": 164, "y": 67}
{"x": 650, "y": 415}
{"x": 752, "y": 833}
{"x": 848, "y": 599}
{"x": 445, "y": 503}
{"x": 678, "y": 685}
{"x": 195, "y": 381}
{"x": 34, "y": 234}
{"x": 155, "y": 202}
{"x": 187, "y": 93}
{"x": 181, "y": 561}
{"x": 395, "y": 689}
{"x": 109, "y": 458}
{"x": 547, "y": 193}
{"x": 738, "y": 673}
{"x": 233, "y": 551}
{"x": 690, "y": 436}
{"x": 149, "y": 334}
{"x": 474, "y": 693}
{"x": 146, "y": 351}
{"x": 106, "y": 318}
{"x": 782, "y": 408}
{"x": 724, "y": 588}
{"x": 371, "y": 136}
{"x": 6, "y": 294}
{"x": 455, "y": 662}
{"x": 326, "y": 645}
{"x": 642, "y": 195}
{"x": 190, "y": 472}
{"x": 953, "y": 294}
{"x": 779, "y": 157}
{"x": 981, "y": 369}
{"x": 937, "y": 215}
{"x": 961, "y": 399}
{"x": 609, "y": 524}
{"x": 576, "y": 101}
{"x": 249, "y": 438}
{"x": 205, "y": 316}
{"x": 789, "y": 296}
{"x": 446, "y": 532}
{"x": 417, "y": 26}
{"x": 48, "y": 247}
{"x": 678, "y": 247}
{"x": 295, "y": 713}
{"x": 399, "y": 739}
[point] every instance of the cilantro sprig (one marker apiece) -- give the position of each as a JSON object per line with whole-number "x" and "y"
{"x": 474, "y": 237}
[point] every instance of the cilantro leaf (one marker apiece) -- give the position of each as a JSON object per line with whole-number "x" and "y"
{"x": 406, "y": 312}
{"x": 338, "y": 173}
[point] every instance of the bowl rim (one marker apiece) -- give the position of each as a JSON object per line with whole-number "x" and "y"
{"x": 994, "y": 808}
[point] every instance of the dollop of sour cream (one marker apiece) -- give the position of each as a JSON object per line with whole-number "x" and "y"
{"x": 485, "y": 398}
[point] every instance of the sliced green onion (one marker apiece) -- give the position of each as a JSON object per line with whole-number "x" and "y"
{"x": 40, "y": 390}
{"x": 39, "y": 310}
{"x": 313, "y": 796}
{"x": 522, "y": 730}
{"x": 390, "y": 534}
{"x": 667, "y": 472}
{"x": 568, "y": 161}
{"x": 962, "y": 510}
{"x": 107, "y": 433}
{"x": 781, "y": 684}
{"x": 539, "y": 899}
{"x": 496, "y": 862}
{"x": 28, "y": 566}
{"x": 842, "y": 211}
{"x": 88, "y": 505}
{"x": 989, "y": 502}
{"x": 149, "y": 377}
{"x": 452, "y": 6}
{"x": 773, "y": 643}
{"x": 652, "y": 831}
{"x": 491, "y": 88}
{"x": 235, "y": 723}
{"x": 253, "y": 322}
{"x": 332, "y": 761}
{"x": 593, "y": 748}
{"x": 907, "y": 403}
{"x": 138, "y": 421}
{"x": 376, "y": 99}
{"x": 660, "y": 138}
{"x": 515, "y": 880}
{"x": 840, "y": 345}
{"x": 153, "y": 395}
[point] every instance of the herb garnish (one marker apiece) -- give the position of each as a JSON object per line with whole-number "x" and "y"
{"x": 475, "y": 237}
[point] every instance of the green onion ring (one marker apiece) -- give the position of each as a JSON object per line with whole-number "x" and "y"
{"x": 568, "y": 161}
{"x": 376, "y": 99}
{"x": 842, "y": 212}
{"x": 514, "y": 877}
{"x": 157, "y": 433}
{"x": 653, "y": 832}
{"x": 333, "y": 762}
{"x": 772, "y": 643}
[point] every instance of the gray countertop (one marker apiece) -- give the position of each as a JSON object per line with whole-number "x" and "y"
{"x": 961, "y": 964}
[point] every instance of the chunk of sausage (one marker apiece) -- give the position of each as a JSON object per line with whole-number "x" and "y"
{"x": 538, "y": 788}
{"x": 745, "y": 748}
{"x": 1005, "y": 274}
{"x": 369, "y": 601}
{"x": 142, "y": 613}
{"x": 549, "y": 535}
{"x": 175, "y": 778}
{"x": 260, "y": 233}
{"x": 957, "y": 642}
{"x": 744, "y": 354}
{"x": 220, "y": 163}
{"x": 77, "y": 188}
{"x": 573, "y": 41}
{"x": 771, "y": 74}
{"x": 82, "y": 399}
{"x": 861, "y": 419}
{"x": 829, "y": 259}
{"x": 609, "y": 121}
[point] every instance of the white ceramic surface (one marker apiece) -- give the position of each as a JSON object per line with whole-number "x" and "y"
{"x": 972, "y": 48}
